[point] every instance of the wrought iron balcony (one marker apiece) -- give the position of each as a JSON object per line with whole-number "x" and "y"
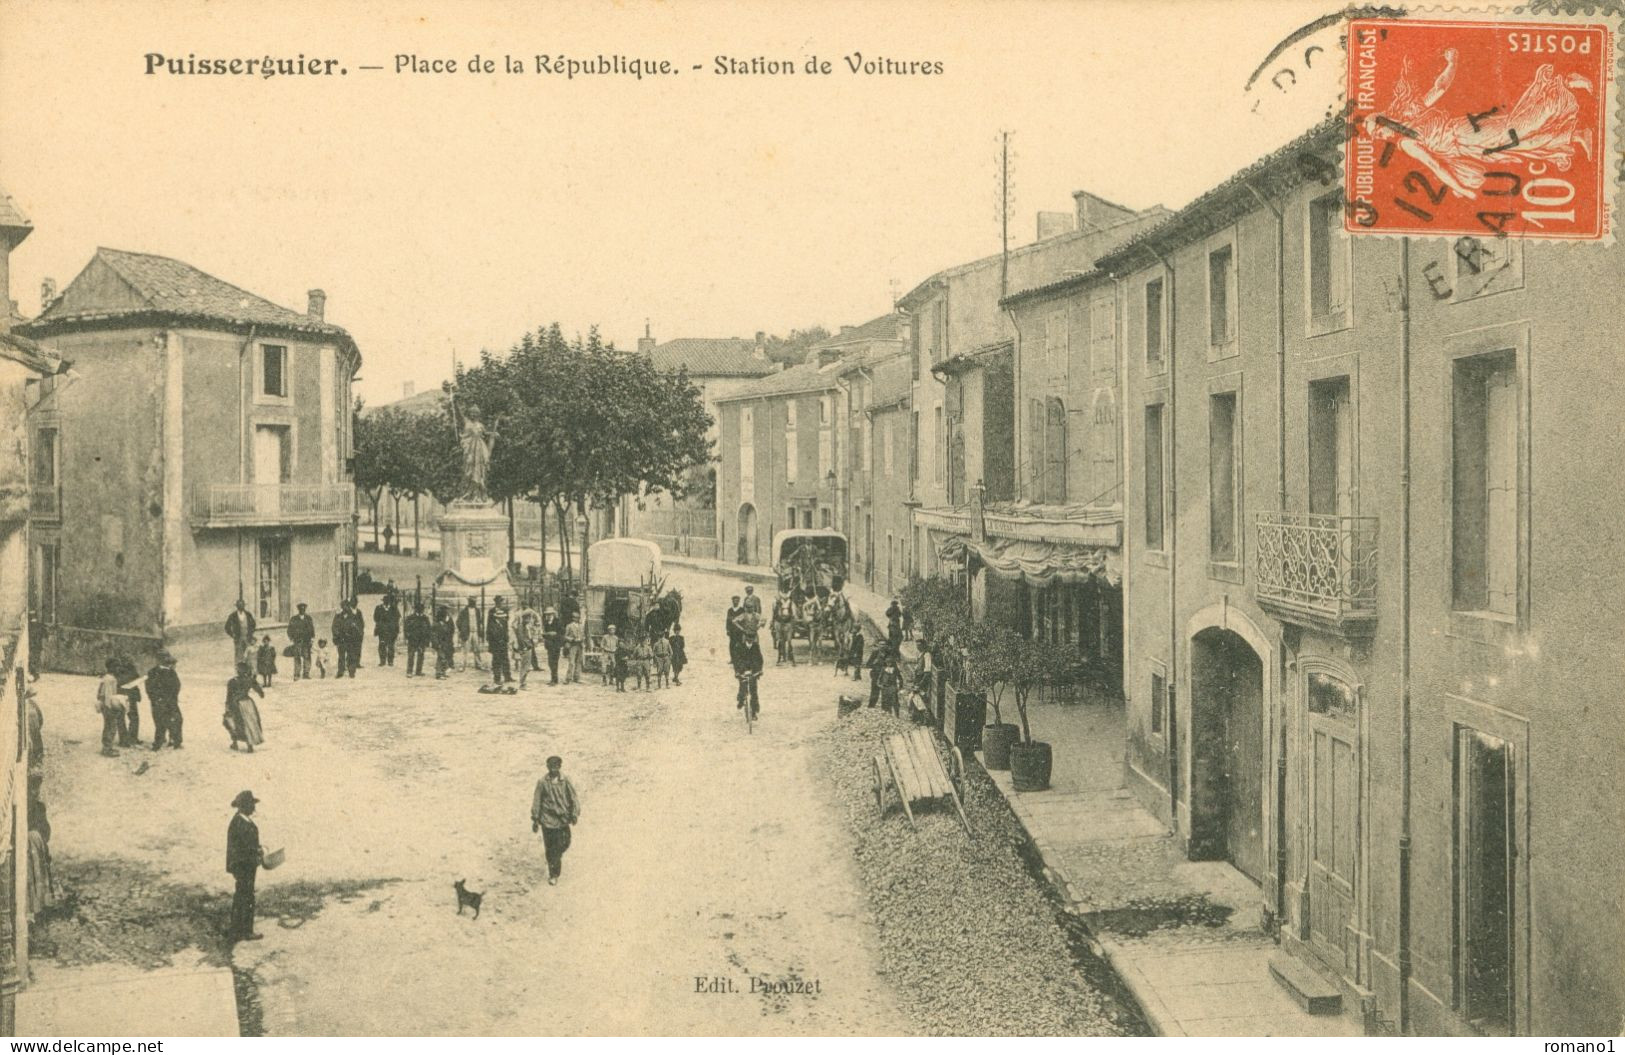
{"x": 1318, "y": 570}
{"x": 252, "y": 505}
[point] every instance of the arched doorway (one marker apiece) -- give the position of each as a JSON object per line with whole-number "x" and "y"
{"x": 747, "y": 534}
{"x": 1227, "y": 752}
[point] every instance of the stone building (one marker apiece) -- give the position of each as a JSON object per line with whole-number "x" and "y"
{"x": 1371, "y": 596}
{"x": 201, "y": 457}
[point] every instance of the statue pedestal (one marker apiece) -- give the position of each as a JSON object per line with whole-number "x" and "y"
{"x": 473, "y": 548}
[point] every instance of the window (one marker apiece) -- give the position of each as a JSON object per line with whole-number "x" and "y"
{"x": 274, "y": 371}
{"x": 1153, "y": 325}
{"x": 886, "y": 444}
{"x": 913, "y": 449}
{"x": 1484, "y": 514}
{"x": 1223, "y": 511}
{"x": 1487, "y": 879}
{"x": 1331, "y": 460}
{"x": 823, "y": 517}
{"x": 1153, "y": 476}
{"x": 1104, "y": 444}
{"x": 747, "y": 452}
{"x": 790, "y": 515}
{"x": 939, "y": 446}
{"x": 1055, "y": 450}
{"x": 1484, "y": 266}
{"x": 1328, "y": 262}
{"x": 47, "y": 577}
{"x": 791, "y": 455}
{"x": 823, "y": 411}
{"x": 1159, "y": 700}
{"x": 1103, "y": 336}
{"x": 866, "y": 452}
{"x": 45, "y": 465}
{"x": 1221, "y": 279}
{"x": 826, "y": 456}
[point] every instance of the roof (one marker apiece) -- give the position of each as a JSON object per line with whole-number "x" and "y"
{"x": 161, "y": 289}
{"x": 12, "y": 218}
{"x": 20, "y": 349}
{"x": 890, "y": 327}
{"x": 1050, "y": 289}
{"x": 711, "y": 357}
{"x": 808, "y": 377}
{"x": 1234, "y": 196}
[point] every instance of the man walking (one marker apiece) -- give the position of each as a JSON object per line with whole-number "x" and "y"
{"x": 496, "y": 639}
{"x": 164, "y": 696}
{"x": 301, "y": 632}
{"x": 469, "y": 633}
{"x": 527, "y": 628}
{"x": 349, "y": 632}
{"x": 244, "y": 857}
{"x": 418, "y": 633}
{"x": 240, "y": 628}
{"x": 386, "y": 627}
{"x": 553, "y": 809}
{"x": 553, "y": 641}
{"x": 753, "y": 603}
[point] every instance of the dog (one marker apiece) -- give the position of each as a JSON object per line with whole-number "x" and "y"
{"x": 467, "y": 898}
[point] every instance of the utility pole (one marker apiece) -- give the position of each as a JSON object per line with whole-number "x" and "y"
{"x": 1005, "y": 204}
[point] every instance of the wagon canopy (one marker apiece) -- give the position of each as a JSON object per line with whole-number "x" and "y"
{"x": 811, "y": 557}
{"x": 622, "y": 563}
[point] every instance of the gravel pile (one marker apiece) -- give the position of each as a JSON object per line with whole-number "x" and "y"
{"x": 970, "y": 940}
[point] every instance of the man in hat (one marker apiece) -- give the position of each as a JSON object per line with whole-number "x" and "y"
{"x": 469, "y": 633}
{"x": 240, "y": 628}
{"x": 553, "y": 809}
{"x": 574, "y": 638}
{"x": 496, "y": 639}
{"x": 418, "y": 635}
{"x": 527, "y": 633}
{"x": 301, "y": 631}
{"x": 553, "y": 641}
{"x": 386, "y": 627}
{"x": 349, "y": 634}
{"x": 164, "y": 697}
{"x": 244, "y": 856}
{"x": 753, "y": 603}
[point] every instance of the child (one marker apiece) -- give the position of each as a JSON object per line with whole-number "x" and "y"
{"x": 643, "y": 658}
{"x": 679, "y": 654}
{"x": 662, "y": 660}
{"x": 854, "y": 656}
{"x": 610, "y": 644}
{"x": 321, "y": 656}
{"x": 265, "y": 661}
{"x": 891, "y": 681}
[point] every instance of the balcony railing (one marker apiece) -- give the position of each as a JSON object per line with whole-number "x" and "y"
{"x": 1318, "y": 569}
{"x": 243, "y": 505}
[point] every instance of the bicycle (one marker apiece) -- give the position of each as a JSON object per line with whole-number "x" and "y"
{"x": 748, "y": 700}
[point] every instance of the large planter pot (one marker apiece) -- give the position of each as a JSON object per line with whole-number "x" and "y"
{"x": 970, "y": 711}
{"x": 996, "y": 742}
{"x": 1030, "y": 766}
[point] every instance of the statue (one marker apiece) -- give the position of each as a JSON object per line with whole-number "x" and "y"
{"x": 476, "y": 441}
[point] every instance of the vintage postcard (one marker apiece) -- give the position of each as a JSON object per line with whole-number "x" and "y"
{"x": 755, "y": 519}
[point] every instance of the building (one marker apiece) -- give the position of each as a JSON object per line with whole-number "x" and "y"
{"x": 1372, "y": 600}
{"x": 25, "y": 370}
{"x": 718, "y": 367}
{"x": 779, "y": 450}
{"x": 874, "y": 475}
{"x": 1025, "y": 492}
{"x": 201, "y": 457}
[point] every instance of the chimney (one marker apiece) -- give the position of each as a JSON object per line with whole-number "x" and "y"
{"x": 318, "y": 305}
{"x": 761, "y": 346}
{"x": 47, "y": 293}
{"x": 646, "y": 343}
{"x": 1095, "y": 212}
{"x": 1054, "y": 224}
{"x": 407, "y": 389}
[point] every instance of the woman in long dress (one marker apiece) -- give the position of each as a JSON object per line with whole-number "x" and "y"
{"x": 242, "y": 717}
{"x": 1540, "y": 127}
{"x": 41, "y": 895}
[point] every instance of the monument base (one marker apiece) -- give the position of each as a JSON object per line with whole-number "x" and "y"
{"x": 473, "y": 538}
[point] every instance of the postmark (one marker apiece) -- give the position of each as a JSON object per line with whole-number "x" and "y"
{"x": 1481, "y": 128}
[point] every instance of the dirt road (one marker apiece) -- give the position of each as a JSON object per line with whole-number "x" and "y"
{"x": 705, "y": 858}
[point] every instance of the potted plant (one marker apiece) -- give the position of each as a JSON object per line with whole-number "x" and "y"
{"x": 1031, "y": 761}
{"x": 996, "y": 650}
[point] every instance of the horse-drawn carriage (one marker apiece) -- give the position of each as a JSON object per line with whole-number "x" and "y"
{"x": 625, "y": 589}
{"x": 811, "y": 567}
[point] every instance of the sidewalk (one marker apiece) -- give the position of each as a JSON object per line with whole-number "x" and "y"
{"x": 88, "y": 1001}
{"x": 1183, "y": 935}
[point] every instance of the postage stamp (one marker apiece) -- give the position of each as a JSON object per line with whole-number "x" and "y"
{"x": 1479, "y": 128}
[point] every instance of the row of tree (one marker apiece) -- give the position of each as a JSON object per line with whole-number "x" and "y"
{"x": 577, "y": 424}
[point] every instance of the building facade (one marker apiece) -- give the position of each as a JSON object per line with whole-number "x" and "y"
{"x": 201, "y": 457}
{"x": 1361, "y": 657}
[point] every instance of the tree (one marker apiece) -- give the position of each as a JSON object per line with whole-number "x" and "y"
{"x": 794, "y": 349}
{"x": 580, "y": 422}
{"x": 408, "y": 455}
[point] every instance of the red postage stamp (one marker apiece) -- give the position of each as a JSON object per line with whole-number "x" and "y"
{"x": 1479, "y": 128}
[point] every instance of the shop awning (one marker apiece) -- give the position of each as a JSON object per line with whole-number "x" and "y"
{"x": 1038, "y": 563}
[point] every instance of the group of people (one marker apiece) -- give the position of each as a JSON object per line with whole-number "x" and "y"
{"x": 650, "y": 657}
{"x": 118, "y": 702}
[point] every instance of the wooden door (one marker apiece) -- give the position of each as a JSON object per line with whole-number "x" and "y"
{"x": 1334, "y": 823}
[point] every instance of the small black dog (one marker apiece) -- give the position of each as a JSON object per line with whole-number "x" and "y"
{"x": 467, "y": 897}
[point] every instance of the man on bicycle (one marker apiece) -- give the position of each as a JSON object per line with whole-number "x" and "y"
{"x": 746, "y": 653}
